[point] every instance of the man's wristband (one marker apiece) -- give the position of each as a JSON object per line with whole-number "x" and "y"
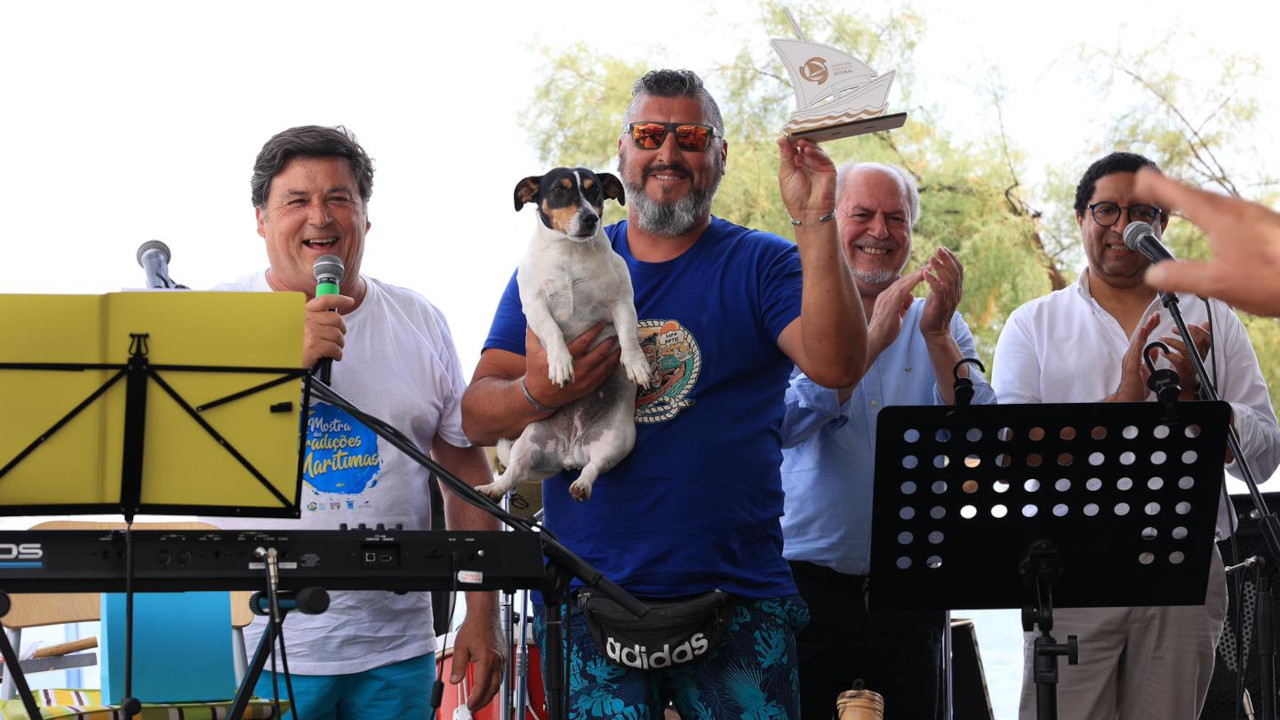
{"x": 536, "y": 405}
{"x": 825, "y": 218}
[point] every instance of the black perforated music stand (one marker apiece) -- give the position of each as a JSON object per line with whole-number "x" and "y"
{"x": 1032, "y": 506}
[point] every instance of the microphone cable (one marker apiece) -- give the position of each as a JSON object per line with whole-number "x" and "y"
{"x": 274, "y": 618}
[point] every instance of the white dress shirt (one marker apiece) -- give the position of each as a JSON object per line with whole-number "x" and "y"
{"x": 1065, "y": 348}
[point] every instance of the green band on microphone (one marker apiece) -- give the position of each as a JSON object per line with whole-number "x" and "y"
{"x": 326, "y": 288}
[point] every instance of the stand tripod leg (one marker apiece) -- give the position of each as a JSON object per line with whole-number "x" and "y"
{"x": 1045, "y": 672}
{"x": 555, "y": 659}
{"x": 130, "y": 705}
{"x": 251, "y": 676}
{"x": 1040, "y": 570}
{"x": 13, "y": 671}
{"x": 505, "y": 688}
{"x": 522, "y": 662}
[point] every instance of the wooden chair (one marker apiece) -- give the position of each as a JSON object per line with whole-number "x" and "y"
{"x": 41, "y": 610}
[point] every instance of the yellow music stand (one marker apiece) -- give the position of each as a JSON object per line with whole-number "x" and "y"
{"x": 157, "y": 402}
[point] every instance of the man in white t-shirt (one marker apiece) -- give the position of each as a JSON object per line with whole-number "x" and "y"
{"x": 371, "y": 655}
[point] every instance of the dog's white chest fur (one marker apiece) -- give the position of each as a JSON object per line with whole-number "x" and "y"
{"x": 578, "y": 282}
{"x": 567, "y": 286}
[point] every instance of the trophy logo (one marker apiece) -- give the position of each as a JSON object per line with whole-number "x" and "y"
{"x": 854, "y": 100}
{"x": 814, "y": 70}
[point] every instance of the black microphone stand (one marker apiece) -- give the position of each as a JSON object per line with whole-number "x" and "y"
{"x": 322, "y": 370}
{"x": 563, "y": 566}
{"x": 1267, "y": 521}
{"x": 1163, "y": 382}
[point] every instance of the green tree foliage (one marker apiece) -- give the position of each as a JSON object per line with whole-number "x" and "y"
{"x": 581, "y": 128}
{"x": 972, "y": 199}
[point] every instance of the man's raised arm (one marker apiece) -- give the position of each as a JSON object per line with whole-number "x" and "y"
{"x": 829, "y": 339}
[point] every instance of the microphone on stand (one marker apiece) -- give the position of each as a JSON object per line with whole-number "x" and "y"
{"x": 1140, "y": 237}
{"x": 328, "y": 270}
{"x": 153, "y": 257}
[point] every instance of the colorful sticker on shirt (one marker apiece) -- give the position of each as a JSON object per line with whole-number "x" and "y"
{"x": 342, "y": 454}
{"x": 674, "y": 363}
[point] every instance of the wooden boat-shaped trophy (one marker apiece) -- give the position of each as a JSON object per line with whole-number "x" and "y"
{"x": 837, "y": 95}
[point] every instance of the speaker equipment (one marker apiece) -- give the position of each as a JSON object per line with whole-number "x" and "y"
{"x": 1237, "y": 650}
{"x": 969, "y": 697}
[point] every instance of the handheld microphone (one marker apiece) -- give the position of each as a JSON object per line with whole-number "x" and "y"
{"x": 153, "y": 257}
{"x": 328, "y": 270}
{"x": 1140, "y": 237}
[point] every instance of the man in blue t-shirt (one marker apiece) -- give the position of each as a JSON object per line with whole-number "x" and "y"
{"x": 695, "y": 507}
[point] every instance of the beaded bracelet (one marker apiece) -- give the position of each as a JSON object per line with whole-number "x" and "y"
{"x": 536, "y": 405}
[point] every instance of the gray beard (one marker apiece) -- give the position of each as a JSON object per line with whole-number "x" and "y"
{"x": 876, "y": 277}
{"x": 671, "y": 219}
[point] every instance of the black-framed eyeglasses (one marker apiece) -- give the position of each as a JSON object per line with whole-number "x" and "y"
{"x": 692, "y": 137}
{"x": 1107, "y": 213}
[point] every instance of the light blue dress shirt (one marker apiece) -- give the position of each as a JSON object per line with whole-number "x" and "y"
{"x": 828, "y": 457}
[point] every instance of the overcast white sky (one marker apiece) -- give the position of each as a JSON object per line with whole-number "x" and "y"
{"x": 129, "y": 121}
{"x": 125, "y": 121}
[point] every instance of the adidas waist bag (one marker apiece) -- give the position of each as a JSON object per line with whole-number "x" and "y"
{"x": 671, "y": 633}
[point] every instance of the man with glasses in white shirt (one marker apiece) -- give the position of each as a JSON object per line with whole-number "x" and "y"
{"x": 1084, "y": 343}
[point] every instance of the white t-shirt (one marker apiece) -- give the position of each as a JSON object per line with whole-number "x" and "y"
{"x": 399, "y": 364}
{"x": 1066, "y": 348}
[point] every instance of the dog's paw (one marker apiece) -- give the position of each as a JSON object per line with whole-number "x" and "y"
{"x": 560, "y": 368}
{"x": 580, "y": 490}
{"x": 637, "y": 367}
{"x": 494, "y": 490}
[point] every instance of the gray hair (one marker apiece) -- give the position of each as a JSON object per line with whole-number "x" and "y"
{"x": 310, "y": 141}
{"x": 907, "y": 180}
{"x": 674, "y": 83}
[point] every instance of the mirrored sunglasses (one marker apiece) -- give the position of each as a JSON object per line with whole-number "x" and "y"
{"x": 691, "y": 137}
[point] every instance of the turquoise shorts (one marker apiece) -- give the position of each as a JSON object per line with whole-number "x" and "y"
{"x": 398, "y": 690}
{"x": 753, "y": 673}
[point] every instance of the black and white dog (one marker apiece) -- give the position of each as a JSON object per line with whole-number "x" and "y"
{"x": 571, "y": 279}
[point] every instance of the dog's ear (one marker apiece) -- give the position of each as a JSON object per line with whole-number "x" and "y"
{"x": 527, "y": 190}
{"x": 612, "y": 187}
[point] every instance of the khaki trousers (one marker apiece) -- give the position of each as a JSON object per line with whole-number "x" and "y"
{"x": 1135, "y": 663}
